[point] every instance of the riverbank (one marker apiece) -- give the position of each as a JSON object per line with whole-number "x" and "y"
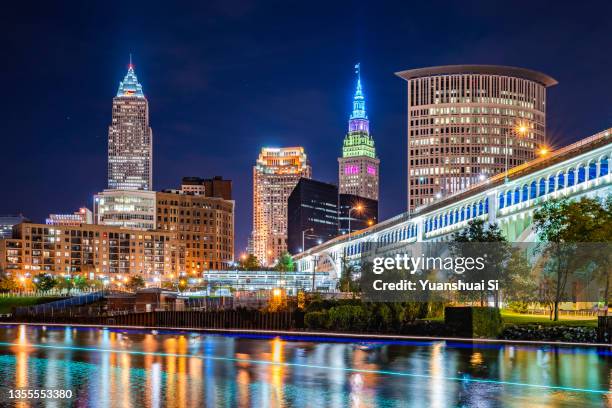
{"x": 317, "y": 335}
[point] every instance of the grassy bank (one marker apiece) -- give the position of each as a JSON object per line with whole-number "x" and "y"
{"x": 8, "y": 303}
{"x": 510, "y": 318}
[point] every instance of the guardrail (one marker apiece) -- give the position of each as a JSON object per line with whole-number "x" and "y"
{"x": 219, "y": 319}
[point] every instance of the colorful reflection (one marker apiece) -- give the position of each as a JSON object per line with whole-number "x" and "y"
{"x": 131, "y": 368}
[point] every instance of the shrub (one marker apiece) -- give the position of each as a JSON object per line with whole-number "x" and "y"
{"x": 518, "y": 307}
{"x": 473, "y": 321}
{"x": 412, "y": 311}
{"x": 348, "y": 318}
{"x": 435, "y": 309}
{"x": 486, "y": 322}
{"x": 380, "y": 317}
{"x": 316, "y": 320}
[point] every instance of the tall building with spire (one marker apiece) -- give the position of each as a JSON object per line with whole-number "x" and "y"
{"x": 130, "y": 139}
{"x": 358, "y": 166}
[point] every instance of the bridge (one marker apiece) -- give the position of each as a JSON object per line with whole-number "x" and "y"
{"x": 509, "y": 199}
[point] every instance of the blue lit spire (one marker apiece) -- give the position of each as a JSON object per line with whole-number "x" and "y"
{"x": 130, "y": 85}
{"x": 359, "y": 111}
{"x": 358, "y": 121}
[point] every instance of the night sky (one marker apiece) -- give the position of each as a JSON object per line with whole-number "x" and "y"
{"x": 224, "y": 78}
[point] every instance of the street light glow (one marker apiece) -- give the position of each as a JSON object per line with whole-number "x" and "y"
{"x": 522, "y": 129}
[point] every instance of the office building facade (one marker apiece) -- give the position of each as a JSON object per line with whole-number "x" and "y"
{"x": 275, "y": 175}
{"x": 203, "y": 228}
{"x": 130, "y": 138}
{"x": 312, "y": 215}
{"x": 93, "y": 251}
{"x": 211, "y": 187}
{"x": 130, "y": 209}
{"x": 82, "y": 216}
{"x": 469, "y": 122}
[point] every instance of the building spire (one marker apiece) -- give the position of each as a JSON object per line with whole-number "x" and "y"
{"x": 130, "y": 85}
{"x": 359, "y": 110}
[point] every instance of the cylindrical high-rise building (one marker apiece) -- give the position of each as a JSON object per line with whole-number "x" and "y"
{"x": 469, "y": 122}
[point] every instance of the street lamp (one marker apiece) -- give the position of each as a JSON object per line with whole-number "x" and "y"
{"x": 303, "y": 233}
{"x": 543, "y": 151}
{"x": 519, "y": 130}
{"x": 357, "y": 208}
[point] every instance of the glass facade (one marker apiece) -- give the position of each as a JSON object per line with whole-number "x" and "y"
{"x": 126, "y": 209}
{"x": 312, "y": 215}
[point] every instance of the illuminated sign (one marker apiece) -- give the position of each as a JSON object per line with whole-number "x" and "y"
{"x": 372, "y": 170}
{"x": 351, "y": 169}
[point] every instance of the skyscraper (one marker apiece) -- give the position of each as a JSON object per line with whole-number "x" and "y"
{"x": 358, "y": 166}
{"x": 312, "y": 214}
{"x": 275, "y": 175}
{"x": 469, "y": 122}
{"x": 130, "y": 139}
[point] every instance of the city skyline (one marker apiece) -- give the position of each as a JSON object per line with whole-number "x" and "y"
{"x": 194, "y": 137}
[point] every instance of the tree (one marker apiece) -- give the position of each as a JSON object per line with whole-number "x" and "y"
{"x": 250, "y": 263}
{"x": 497, "y": 253}
{"x": 96, "y": 284}
{"x": 348, "y": 281}
{"x": 567, "y": 229}
{"x": 167, "y": 285}
{"x": 550, "y": 221}
{"x": 64, "y": 283}
{"x": 182, "y": 284}
{"x": 589, "y": 220}
{"x": 80, "y": 283}
{"x": 519, "y": 285}
{"x": 7, "y": 284}
{"x": 44, "y": 282}
{"x": 135, "y": 282}
{"x": 285, "y": 263}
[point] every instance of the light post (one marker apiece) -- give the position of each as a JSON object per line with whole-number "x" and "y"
{"x": 518, "y": 130}
{"x": 357, "y": 208}
{"x": 303, "y": 234}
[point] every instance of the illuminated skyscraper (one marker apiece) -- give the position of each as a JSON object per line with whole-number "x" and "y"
{"x": 130, "y": 139}
{"x": 469, "y": 122}
{"x": 358, "y": 166}
{"x": 275, "y": 175}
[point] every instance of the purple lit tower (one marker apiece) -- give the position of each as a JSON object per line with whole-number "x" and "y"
{"x": 358, "y": 166}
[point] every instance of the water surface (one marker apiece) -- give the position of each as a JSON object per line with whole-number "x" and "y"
{"x": 135, "y": 368}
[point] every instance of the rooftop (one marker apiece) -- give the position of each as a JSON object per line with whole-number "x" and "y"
{"x": 501, "y": 70}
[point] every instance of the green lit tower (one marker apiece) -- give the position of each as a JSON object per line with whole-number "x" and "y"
{"x": 358, "y": 166}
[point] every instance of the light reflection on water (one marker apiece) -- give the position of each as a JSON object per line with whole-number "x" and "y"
{"x": 130, "y": 368}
